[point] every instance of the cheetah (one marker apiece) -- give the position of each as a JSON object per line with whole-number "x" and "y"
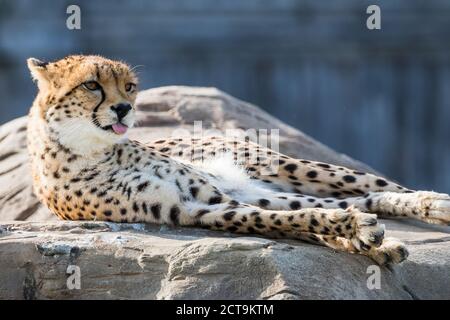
{"x": 85, "y": 168}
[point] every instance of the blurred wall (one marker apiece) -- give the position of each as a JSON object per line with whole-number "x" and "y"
{"x": 379, "y": 96}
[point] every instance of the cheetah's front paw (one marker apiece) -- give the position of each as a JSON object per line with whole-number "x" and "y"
{"x": 367, "y": 233}
{"x": 391, "y": 251}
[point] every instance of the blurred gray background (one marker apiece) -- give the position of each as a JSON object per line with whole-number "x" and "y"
{"x": 380, "y": 96}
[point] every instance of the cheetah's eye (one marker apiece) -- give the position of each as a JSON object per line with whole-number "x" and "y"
{"x": 91, "y": 85}
{"x": 130, "y": 87}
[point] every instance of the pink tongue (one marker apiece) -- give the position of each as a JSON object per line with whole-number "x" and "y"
{"x": 119, "y": 128}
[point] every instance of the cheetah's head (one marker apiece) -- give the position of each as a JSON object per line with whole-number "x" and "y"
{"x": 86, "y": 101}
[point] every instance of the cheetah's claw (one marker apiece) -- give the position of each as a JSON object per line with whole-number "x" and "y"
{"x": 368, "y": 233}
{"x": 391, "y": 251}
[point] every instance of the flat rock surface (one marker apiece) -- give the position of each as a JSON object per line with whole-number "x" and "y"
{"x": 142, "y": 261}
{"x": 157, "y": 262}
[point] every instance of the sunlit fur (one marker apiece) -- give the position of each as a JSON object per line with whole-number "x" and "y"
{"x": 83, "y": 170}
{"x": 60, "y": 85}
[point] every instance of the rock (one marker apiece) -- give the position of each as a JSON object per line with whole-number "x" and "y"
{"x": 138, "y": 261}
{"x": 157, "y": 262}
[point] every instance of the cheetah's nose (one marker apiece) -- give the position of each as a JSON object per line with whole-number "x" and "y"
{"x": 121, "y": 110}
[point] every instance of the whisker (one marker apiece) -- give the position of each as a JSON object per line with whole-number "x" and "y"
{"x": 137, "y": 66}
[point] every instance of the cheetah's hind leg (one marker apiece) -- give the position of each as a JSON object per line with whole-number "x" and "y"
{"x": 436, "y": 207}
{"x": 430, "y": 207}
{"x": 391, "y": 251}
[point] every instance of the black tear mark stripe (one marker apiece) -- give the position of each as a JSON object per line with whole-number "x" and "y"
{"x": 94, "y": 114}
{"x": 101, "y": 101}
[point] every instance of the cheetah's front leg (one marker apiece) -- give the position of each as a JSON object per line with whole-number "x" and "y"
{"x": 361, "y": 230}
{"x": 390, "y": 251}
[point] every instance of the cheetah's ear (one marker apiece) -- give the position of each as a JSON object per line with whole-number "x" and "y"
{"x": 38, "y": 71}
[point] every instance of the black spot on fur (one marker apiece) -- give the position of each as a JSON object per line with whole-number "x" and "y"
{"x": 311, "y": 174}
{"x": 141, "y": 187}
{"x": 215, "y": 200}
{"x": 314, "y": 222}
{"x": 325, "y": 230}
{"x": 194, "y": 191}
{"x": 233, "y": 203}
{"x": 202, "y": 212}
{"x": 102, "y": 194}
{"x": 291, "y": 167}
{"x": 349, "y": 179}
{"x": 263, "y": 202}
{"x": 175, "y": 215}
{"x": 343, "y": 204}
{"x": 229, "y": 215}
{"x": 369, "y": 204}
{"x": 381, "y": 182}
{"x": 156, "y": 210}
{"x": 144, "y": 207}
{"x": 336, "y": 194}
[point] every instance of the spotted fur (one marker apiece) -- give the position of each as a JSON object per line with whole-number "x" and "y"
{"x": 84, "y": 170}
